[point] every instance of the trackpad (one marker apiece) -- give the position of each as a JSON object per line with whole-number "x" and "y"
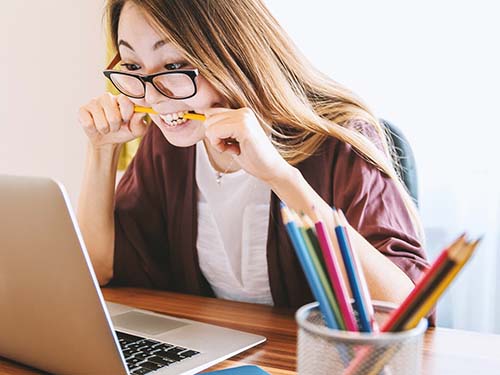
{"x": 148, "y": 324}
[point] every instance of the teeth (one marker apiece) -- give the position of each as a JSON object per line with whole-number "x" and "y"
{"x": 173, "y": 119}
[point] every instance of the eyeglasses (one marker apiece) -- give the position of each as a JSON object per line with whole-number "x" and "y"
{"x": 178, "y": 84}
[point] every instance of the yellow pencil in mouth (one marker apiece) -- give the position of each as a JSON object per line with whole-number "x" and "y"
{"x": 187, "y": 116}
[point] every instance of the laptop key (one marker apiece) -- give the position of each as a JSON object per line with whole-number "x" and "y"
{"x": 163, "y": 346}
{"x": 132, "y": 367}
{"x": 140, "y": 371}
{"x": 167, "y": 355}
{"x": 150, "y": 365}
{"x": 160, "y": 361}
{"x": 127, "y": 337}
{"x": 141, "y": 355}
{"x": 149, "y": 350}
{"x": 176, "y": 350}
{"x": 189, "y": 353}
{"x": 134, "y": 360}
{"x": 133, "y": 346}
{"x": 151, "y": 342}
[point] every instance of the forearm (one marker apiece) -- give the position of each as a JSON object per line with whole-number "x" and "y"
{"x": 386, "y": 281}
{"x": 95, "y": 208}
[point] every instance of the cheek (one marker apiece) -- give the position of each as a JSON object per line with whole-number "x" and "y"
{"x": 206, "y": 96}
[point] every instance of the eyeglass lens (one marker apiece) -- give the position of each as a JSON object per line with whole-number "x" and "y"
{"x": 173, "y": 85}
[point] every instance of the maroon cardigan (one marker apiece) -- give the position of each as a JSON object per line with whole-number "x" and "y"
{"x": 156, "y": 219}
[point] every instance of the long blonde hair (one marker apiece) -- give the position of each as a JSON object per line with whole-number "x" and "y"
{"x": 240, "y": 48}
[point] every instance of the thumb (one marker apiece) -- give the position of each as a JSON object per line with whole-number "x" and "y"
{"x": 139, "y": 124}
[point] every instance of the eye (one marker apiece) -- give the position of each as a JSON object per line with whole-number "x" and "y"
{"x": 130, "y": 67}
{"x": 175, "y": 66}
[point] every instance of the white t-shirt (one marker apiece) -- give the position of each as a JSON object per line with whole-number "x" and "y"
{"x": 233, "y": 220}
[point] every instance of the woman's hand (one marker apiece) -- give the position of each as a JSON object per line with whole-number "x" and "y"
{"x": 110, "y": 119}
{"x": 254, "y": 151}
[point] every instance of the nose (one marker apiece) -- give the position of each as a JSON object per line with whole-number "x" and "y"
{"x": 152, "y": 96}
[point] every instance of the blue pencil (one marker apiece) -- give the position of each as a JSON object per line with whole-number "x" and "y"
{"x": 354, "y": 282}
{"x": 308, "y": 268}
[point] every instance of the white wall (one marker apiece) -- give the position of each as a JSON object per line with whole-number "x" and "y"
{"x": 51, "y": 62}
{"x": 431, "y": 67}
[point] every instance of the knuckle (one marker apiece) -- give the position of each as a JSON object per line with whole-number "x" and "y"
{"x": 86, "y": 123}
{"x": 93, "y": 104}
{"x": 114, "y": 123}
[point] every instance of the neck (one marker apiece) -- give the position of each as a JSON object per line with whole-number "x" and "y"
{"x": 221, "y": 161}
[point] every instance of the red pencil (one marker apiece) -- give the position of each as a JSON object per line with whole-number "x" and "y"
{"x": 395, "y": 318}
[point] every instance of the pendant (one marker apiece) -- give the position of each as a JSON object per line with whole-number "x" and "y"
{"x": 218, "y": 178}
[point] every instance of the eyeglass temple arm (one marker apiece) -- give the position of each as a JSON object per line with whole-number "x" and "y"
{"x": 113, "y": 62}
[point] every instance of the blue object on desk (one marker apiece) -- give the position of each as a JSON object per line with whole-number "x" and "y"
{"x": 241, "y": 370}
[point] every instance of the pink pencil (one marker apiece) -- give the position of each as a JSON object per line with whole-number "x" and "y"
{"x": 332, "y": 265}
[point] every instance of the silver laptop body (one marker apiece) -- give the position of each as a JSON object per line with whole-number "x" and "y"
{"x": 52, "y": 313}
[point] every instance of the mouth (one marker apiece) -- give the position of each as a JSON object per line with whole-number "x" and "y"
{"x": 174, "y": 119}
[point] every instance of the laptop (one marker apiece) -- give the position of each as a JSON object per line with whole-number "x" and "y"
{"x": 53, "y": 316}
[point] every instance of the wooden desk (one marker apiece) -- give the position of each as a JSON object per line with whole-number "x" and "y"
{"x": 446, "y": 351}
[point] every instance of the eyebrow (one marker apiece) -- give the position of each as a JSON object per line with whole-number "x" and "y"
{"x": 157, "y": 45}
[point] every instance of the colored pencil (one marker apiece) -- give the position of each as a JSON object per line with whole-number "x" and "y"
{"x": 313, "y": 237}
{"x": 187, "y": 116}
{"x": 308, "y": 268}
{"x": 365, "y": 293}
{"x": 460, "y": 260}
{"x": 305, "y": 226}
{"x": 333, "y": 267}
{"x": 395, "y": 319}
{"x": 352, "y": 274}
{"x": 434, "y": 282}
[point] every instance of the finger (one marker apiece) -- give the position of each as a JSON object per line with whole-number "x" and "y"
{"x": 139, "y": 124}
{"x": 216, "y": 110}
{"x": 216, "y": 114}
{"x": 86, "y": 121}
{"x": 112, "y": 112}
{"x": 126, "y": 107}
{"x": 99, "y": 117}
{"x": 223, "y": 129}
{"x": 229, "y": 147}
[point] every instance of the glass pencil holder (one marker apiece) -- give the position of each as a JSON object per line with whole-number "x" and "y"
{"x": 321, "y": 350}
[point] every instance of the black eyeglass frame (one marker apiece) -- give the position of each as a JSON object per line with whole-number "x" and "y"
{"x": 191, "y": 73}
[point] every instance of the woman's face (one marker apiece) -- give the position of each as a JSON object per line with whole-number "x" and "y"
{"x": 144, "y": 51}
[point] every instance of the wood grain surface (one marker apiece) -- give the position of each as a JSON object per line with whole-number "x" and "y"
{"x": 446, "y": 351}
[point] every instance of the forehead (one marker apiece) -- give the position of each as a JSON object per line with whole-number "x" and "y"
{"x": 136, "y": 30}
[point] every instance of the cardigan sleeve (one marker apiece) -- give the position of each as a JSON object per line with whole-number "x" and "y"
{"x": 374, "y": 207}
{"x": 141, "y": 253}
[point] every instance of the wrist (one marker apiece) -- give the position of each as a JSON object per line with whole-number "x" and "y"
{"x": 104, "y": 155}
{"x": 111, "y": 150}
{"x": 287, "y": 175}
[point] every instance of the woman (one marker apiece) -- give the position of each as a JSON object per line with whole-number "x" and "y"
{"x": 197, "y": 210}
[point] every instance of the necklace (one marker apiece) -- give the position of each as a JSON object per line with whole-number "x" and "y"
{"x": 219, "y": 175}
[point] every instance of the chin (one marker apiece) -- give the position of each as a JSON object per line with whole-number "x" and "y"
{"x": 181, "y": 142}
{"x": 185, "y": 135}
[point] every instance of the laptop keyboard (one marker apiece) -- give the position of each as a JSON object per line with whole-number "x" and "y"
{"x": 145, "y": 355}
